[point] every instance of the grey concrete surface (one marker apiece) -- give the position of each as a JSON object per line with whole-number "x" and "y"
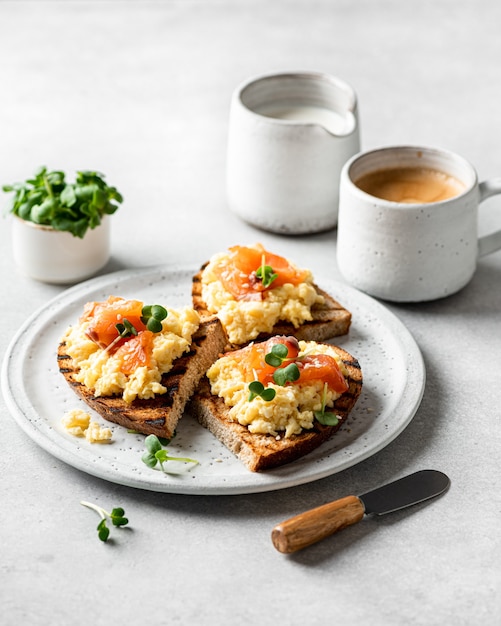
{"x": 141, "y": 91}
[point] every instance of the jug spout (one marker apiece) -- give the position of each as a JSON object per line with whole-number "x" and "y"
{"x": 336, "y": 122}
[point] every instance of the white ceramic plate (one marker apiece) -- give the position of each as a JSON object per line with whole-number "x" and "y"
{"x": 38, "y": 396}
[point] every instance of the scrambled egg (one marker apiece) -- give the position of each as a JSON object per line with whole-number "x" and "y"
{"x": 244, "y": 320}
{"x": 78, "y": 423}
{"x": 100, "y": 371}
{"x": 292, "y": 409}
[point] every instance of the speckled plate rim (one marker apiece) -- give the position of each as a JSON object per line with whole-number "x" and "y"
{"x": 37, "y": 395}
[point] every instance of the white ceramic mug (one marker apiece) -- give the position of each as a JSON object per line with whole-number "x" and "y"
{"x": 289, "y": 136}
{"x": 58, "y": 257}
{"x": 411, "y": 252}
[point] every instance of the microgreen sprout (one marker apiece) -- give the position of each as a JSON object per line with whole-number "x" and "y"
{"x": 287, "y": 374}
{"x": 265, "y": 273}
{"x": 152, "y": 316}
{"x": 326, "y": 418}
{"x": 281, "y": 376}
{"x": 156, "y": 454}
{"x": 256, "y": 388}
{"x": 116, "y": 516}
{"x": 276, "y": 358}
{"x": 279, "y": 352}
{"x": 124, "y": 330}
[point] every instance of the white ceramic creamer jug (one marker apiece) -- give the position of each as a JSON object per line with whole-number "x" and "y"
{"x": 289, "y": 136}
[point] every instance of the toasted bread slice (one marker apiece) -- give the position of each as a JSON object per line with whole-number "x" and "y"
{"x": 262, "y": 452}
{"x": 330, "y": 319}
{"x": 160, "y": 415}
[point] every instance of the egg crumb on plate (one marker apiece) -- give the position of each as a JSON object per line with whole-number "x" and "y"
{"x": 79, "y": 424}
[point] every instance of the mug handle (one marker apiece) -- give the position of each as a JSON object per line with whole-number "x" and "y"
{"x": 492, "y": 242}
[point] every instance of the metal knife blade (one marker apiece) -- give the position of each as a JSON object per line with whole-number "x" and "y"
{"x": 405, "y": 492}
{"x": 311, "y": 526}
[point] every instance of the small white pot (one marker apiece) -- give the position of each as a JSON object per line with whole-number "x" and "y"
{"x": 54, "y": 256}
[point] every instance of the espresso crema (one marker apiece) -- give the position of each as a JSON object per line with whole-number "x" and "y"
{"x": 411, "y": 185}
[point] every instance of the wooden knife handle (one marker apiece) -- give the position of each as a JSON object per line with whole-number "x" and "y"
{"x": 307, "y": 528}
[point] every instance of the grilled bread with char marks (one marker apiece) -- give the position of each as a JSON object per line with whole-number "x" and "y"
{"x": 160, "y": 415}
{"x": 262, "y": 452}
{"x": 330, "y": 319}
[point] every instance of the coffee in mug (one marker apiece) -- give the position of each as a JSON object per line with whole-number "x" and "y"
{"x": 407, "y": 226}
{"x": 410, "y": 185}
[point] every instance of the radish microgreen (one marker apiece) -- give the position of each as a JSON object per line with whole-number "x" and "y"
{"x": 288, "y": 374}
{"x": 116, "y": 516}
{"x": 281, "y": 376}
{"x": 326, "y": 418}
{"x": 276, "y": 358}
{"x": 265, "y": 273}
{"x": 157, "y": 455}
{"x": 152, "y": 316}
{"x": 256, "y": 388}
{"x": 124, "y": 330}
{"x": 277, "y": 355}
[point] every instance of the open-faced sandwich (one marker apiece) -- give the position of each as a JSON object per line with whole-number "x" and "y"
{"x": 275, "y": 401}
{"x": 257, "y": 294}
{"x": 138, "y": 365}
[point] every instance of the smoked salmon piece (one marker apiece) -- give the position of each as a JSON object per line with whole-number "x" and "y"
{"x": 322, "y": 367}
{"x": 104, "y": 316}
{"x": 135, "y": 352}
{"x": 311, "y": 367}
{"x": 238, "y": 274}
